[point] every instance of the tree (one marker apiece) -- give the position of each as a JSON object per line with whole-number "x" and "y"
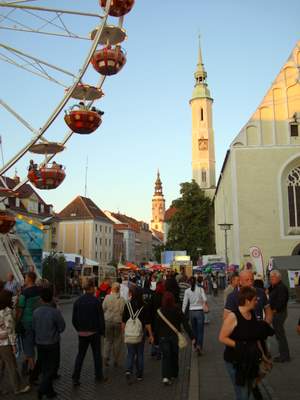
{"x": 157, "y": 250}
{"x": 54, "y": 270}
{"x": 191, "y": 227}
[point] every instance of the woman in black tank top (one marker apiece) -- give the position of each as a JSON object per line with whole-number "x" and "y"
{"x": 240, "y": 333}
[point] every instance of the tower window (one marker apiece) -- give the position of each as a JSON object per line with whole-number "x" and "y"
{"x": 201, "y": 114}
{"x": 294, "y": 130}
{"x": 203, "y": 176}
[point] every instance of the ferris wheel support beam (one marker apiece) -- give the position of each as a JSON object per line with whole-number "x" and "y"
{"x": 55, "y": 10}
{"x": 37, "y": 60}
{"x": 65, "y": 99}
{"x": 9, "y": 28}
{"x": 19, "y": 118}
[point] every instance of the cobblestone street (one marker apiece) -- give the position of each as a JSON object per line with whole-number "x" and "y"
{"x": 116, "y": 388}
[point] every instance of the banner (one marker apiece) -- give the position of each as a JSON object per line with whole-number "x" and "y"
{"x": 294, "y": 278}
{"x": 257, "y": 259}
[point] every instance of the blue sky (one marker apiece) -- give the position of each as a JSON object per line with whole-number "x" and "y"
{"x": 147, "y": 121}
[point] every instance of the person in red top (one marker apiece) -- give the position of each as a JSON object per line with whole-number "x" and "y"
{"x": 103, "y": 289}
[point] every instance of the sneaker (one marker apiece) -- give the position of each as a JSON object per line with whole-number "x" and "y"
{"x": 166, "y": 381}
{"x": 128, "y": 376}
{"x": 139, "y": 378}
{"x": 23, "y": 390}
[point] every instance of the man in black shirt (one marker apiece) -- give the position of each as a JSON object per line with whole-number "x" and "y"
{"x": 279, "y": 296}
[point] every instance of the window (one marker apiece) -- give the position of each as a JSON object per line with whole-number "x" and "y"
{"x": 96, "y": 254}
{"x": 109, "y": 242}
{"x": 294, "y": 130}
{"x": 293, "y": 186}
{"x": 201, "y": 115}
{"x": 96, "y": 227}
{"x": 100, "y": 227}
{"x": 100, "y": 241}
{"x": 203, "y": 176}
{"x": 105, "y": 242}
{"x": 96, "y": 241}
{"x": 110, "y": 229}
{"x": 105, "y": 229}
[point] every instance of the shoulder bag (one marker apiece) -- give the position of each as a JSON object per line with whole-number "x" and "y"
{"x": 181, "y": 339}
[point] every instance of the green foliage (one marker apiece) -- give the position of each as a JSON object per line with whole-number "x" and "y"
{"x": 158, "y": 249}
{"x": 191, "y": 227}
{"x": 54, "y": 270}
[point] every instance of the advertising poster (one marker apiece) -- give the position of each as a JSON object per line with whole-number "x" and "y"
{"x": 257, "y": 259}
{"x": 32, "y": 236}
{"x": 294, "y": 278}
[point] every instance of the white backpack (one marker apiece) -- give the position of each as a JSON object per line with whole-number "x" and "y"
{"x": 133, "y": 333}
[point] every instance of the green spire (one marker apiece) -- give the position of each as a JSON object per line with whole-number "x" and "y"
{"x": 201, "y": 89}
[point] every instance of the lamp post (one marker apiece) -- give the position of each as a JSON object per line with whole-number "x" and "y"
{"x": 225, "y": 227}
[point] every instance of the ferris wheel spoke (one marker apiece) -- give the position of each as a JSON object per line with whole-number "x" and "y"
{"x": 8, "y": 60}
{"x": 54, "y": 10}
{"x": 37, "y": 60}
{"x": 20, "y": 118}
{"x": 66, "y": 97}
{"x": 46, "y": 21}
{"x": 30, "y": 30}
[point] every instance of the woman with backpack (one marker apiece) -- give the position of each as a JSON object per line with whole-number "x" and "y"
{"x": 170, "y": 313}
{"x": 136, "y": 321}
{"x": 196, "y": 299}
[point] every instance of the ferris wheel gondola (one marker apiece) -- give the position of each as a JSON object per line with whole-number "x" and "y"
{"x": 118, "y": 8}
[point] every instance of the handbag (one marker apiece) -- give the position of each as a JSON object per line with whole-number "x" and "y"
{"x": 182, "y": 342}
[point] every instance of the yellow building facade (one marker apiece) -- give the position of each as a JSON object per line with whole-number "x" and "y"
{"x": 259, "y": 186}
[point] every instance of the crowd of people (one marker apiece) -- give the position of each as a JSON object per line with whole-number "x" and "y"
{"x": 140, "y": 307}
{"x": 136, "y": 308}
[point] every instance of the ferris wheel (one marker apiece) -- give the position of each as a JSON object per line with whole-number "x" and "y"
{"x": 76, "y": 91}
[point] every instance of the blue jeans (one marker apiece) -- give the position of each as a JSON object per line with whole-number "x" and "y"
{"x": 135, "y": 353}
{"x": 241, "y": 392}
{"x": 169, "y": 349}
{"x": 197, "y": 322}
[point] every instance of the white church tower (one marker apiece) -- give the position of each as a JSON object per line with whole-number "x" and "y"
{"x": 203, "y": 147}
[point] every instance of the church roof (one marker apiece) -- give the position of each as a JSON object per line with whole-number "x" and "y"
{"x": 288, "y": 76}
{"x": 169, "y": 213}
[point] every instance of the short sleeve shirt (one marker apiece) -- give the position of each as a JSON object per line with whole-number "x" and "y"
{"x": 29, "y": 301}
{"x": 232, "y": 302}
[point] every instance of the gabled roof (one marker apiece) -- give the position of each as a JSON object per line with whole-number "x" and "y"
{"x": 24, "y": 191}
{"x": 169, "y": 213}
{"x": 82, "y": 208}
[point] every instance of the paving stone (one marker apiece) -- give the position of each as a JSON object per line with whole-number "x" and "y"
{"x": 117, "y": 387}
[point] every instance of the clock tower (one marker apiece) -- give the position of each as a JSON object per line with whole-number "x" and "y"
{"x": 203, "y": 147}
{"x": 158, "y": 206}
